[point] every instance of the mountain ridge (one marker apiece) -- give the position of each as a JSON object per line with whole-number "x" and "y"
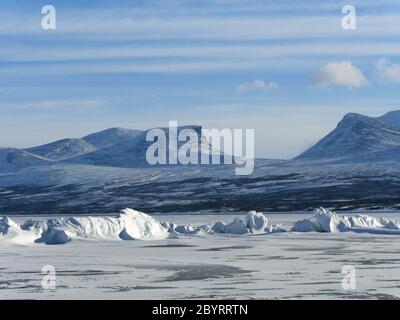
{"x": 356, "y": 138}
{"x": 110, "y": 147}
{"x": 354, "y": 135}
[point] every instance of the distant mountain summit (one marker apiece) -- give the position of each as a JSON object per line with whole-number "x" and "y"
{"x": 355, "y": 135}
{"x": 131, "y": 152}
{"x": 110, "y": 137}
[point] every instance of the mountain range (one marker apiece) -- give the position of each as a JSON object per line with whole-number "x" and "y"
{"x": 114, "y": 147}
{"x": 354, "y": 166}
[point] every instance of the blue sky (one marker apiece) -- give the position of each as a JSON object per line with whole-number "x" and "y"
{"x": 287, "y": 70}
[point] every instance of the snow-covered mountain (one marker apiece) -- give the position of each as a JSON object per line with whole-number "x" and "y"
{"x": 70, "y": 148}
{"x": 114, "y": 147}
{"x": 13, "y": 159}
{"x": 357, "y": 135}
{"x": 131, "y": 152}
{"x": 355, "y": 166}
{"x": 63, "y": 149}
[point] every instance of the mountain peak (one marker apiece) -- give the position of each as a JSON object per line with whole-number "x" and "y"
{"x": 355, "y": 134}
{"x": 391, "y": 118}
{"x": 111, "y": 136}
{"x": 355, "y": 117}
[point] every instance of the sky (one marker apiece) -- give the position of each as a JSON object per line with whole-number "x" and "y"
{"x": 289, "y": 71}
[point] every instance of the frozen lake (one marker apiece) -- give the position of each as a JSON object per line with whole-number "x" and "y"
{"x": 280, "y": 265}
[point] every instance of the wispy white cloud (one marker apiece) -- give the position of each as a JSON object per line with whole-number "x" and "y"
{"x": 71, "y": 103}
{"x": 159, "y": 67}
{"x": 257, "y": 85}
{"x": 76, "y": 103}
{"x": 141, "y": 23}
{"x": 342, "y": 74}
{"x": 388, "y": 71}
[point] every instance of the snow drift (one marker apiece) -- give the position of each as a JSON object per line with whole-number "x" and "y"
{"x": 325, "y": 220}
{"x": 253, "y": 222}
{"x": 11, "y": 233}
{"x": 129, "y": 225}
{"x": 188, "y": 229}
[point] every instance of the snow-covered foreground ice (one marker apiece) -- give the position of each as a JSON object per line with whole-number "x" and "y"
{"x": 206, "y": 264}
{"x": 134, "y": 225}
{"x": 128, "y": 225}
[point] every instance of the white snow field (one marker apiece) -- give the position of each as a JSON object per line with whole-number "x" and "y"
{"x": 287, "y": 256}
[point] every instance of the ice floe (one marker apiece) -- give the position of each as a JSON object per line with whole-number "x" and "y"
{"x": 189, "y": 229}
{"x": 129, "y": 225}
{"x": 325, "y": 220}
{"x": 253, "y": 222}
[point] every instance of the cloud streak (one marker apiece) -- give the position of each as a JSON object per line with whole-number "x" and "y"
{"x": 23, "y": 53}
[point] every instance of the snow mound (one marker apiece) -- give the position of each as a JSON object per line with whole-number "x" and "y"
{"x": 325, "y": 220}
{"x": 187, "y": 229}
{"x": 139, "y": 225}
{"x": 254, "y": 222}
{"x": 11, "y": 233}
{"x": 129, "y": 225}
{"x": 54, "y": 236}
